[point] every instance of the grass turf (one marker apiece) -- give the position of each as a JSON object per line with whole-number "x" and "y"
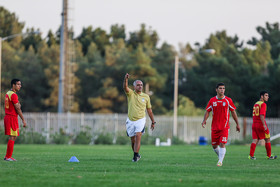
{"x": 189, "y": 165}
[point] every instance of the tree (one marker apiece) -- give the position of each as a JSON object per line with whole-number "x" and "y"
{"x": 10, "y": 25}
{"x": 271, "y": 34}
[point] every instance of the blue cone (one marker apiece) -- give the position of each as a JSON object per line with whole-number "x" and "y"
{"x": 73, "y": 159}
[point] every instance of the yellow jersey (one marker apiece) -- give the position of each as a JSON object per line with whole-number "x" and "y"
{"x": 137, "y": 104}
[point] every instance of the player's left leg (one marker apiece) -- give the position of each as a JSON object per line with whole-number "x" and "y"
{"x": 268, "y": 149}
{"x": 215, "y": 141}
{"x": 132, "y": 142}
{"x": 268, "y": 145}
{"x": 223, "y": 141}
{"x": 139, "y": 130}
{"x": 137, "y": 144}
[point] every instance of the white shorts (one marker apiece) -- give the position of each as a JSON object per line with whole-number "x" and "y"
{"x": 132, "y": 127}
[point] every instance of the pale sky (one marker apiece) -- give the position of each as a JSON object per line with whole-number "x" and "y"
{"x": 175, "y": 21}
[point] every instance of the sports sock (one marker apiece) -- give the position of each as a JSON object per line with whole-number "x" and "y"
{"x": 222, "y": 154}
{"x": 268, "y": 149}
{"x": 217, "y": 150}
{"x": 135, "y": 154}
{"x": 10, "y": 148}
{"x": 252, "y": 149}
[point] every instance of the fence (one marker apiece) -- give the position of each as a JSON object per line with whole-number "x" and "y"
{"x": 189, "y": 128}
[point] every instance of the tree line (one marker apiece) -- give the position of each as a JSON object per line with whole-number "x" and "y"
{"x": 103, "y": 58}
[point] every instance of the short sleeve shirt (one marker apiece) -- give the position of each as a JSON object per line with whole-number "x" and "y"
{"x": 220, "y": 111}
{"x": 11, "y": 98}
{"x": 137, "y": 104}
{"x": 259, "y": 109}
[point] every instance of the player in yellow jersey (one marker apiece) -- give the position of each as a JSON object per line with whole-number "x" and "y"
{"x": 138, "y": 103}
{"x": 260, "y": 130}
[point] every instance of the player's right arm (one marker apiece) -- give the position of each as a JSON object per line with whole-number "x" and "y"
{"x": 125, "y": 83}
{"x": 206, "y": 115}
{"x": 18, "y": 110}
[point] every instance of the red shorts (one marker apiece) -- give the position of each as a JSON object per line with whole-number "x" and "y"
{"x": 219, "y": 136}
{"x": 259, "y": 133}
{"x": 11, "y": 124}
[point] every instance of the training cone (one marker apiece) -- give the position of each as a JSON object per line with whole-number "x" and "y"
{"x": 73, "y": 159}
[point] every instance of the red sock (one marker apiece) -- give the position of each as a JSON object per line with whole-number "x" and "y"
{"x": 10, "y": 148}
{"x": 252, "y": 149}
{"x": 268, "y": 149}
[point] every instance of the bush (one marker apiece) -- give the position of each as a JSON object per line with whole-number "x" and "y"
{"x": 176, "y": 141}
{"x": 30, "y": 138}
{"x": 104, "y": 139}
{"x": 122, "y": 140}
{"x": 83, "y": 138}
{"x": 61, "y": 137}
{"x": 247, "y": 140}
{"x": 147, "y": 139}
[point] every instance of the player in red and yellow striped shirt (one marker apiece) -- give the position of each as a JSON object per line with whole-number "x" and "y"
{"x": 260, "y": 130}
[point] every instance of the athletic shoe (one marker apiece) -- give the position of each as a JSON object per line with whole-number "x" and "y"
{"x": 252, "y": 158}
{"x": 219, "y": 164}
{"x": 137, "y": 158}
{"x": 134, "y": 159}
{"x": 10, "y": 159}
{"x": 271, "y": 157}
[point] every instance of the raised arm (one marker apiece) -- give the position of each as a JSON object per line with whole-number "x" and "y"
{"x": 151, "y": 115}
{"x": 234, "y": 115}
{"x": 125, "y": 83}
{"x": 18, "y": 110}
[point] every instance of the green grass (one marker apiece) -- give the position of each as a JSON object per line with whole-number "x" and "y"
{"x": 189, "y": 165}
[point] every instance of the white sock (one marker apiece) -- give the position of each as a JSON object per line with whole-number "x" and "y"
{"x": 217, "y": 150}
{"x": 222, "y": 154}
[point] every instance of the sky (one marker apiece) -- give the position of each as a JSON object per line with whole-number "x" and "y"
{"x": 175, "y": 21}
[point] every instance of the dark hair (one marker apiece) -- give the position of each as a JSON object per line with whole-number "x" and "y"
{"x": 14, "y": 81}
{"x": 220, "y": 84}
{"x": 263, "y": 92}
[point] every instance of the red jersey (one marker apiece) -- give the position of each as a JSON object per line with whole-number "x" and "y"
{"x": 11, "y": 98}
{"x": 220, "y": 109}
{"x": 259, "y": 109}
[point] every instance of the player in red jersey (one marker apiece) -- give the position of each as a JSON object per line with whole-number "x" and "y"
{"x": 220, "y": 105}
{"x": 260, "y": 130}
{"x": 12, "y": 110}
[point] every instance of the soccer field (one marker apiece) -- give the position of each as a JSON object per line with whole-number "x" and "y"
{"x": 189, "y": 165}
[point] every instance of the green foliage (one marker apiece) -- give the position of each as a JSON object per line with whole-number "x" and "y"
{"x": 187, "y": 108}
{"x": 61, "y": 137}
{"x": 30, "y": 138}
{"x": 3, "y": 138}
{"x": 104, "y": 138}
{"x": 247, "y": 140}
{"x": 83, "y": 138}
{"x": 122, "y": 140}
{"x": 25, "y": 137}
{"x": 176, "y": 141}
{"x": 147, "y": 139}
